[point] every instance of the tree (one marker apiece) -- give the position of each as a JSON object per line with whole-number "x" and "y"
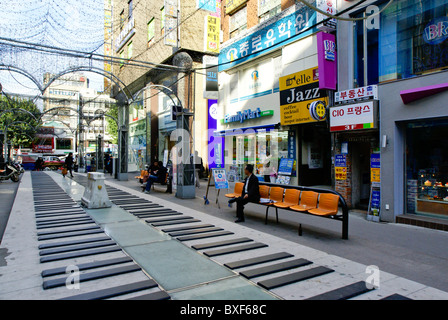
{"x": 113, "y": 128}
{"x": 21, "y": 126}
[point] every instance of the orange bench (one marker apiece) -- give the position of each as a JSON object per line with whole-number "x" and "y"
{"x": 306, "y": 200}
{"x": 237, "y": 192}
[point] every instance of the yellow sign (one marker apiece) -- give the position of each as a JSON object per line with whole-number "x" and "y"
{"x": 375, "y": 175}
{"x": 212, "y": 28}
{"x": 232, "y": 5}
{"x": 341, "y": 173}
{"x": 298, "y": 91}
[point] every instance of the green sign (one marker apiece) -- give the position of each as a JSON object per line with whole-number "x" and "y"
{"x": 245, "y": 115}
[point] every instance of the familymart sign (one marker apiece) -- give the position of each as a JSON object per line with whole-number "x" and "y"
{"x": 245, "y": 115}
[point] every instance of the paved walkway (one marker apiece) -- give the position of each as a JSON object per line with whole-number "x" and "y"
{"x": 411, "y": 252}
{"x": 180, "y": 266}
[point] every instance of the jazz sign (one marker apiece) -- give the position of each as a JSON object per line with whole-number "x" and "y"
{"x": 301, "y": 99}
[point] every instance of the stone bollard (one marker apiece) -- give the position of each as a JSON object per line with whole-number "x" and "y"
{"x": 95, "y": 195}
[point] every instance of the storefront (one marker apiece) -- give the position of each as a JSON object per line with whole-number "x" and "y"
{"x": 355, "y": 128}
{"x": 427, "y": 167}
{"x": 137, "y": 136}
{"x": 413, "y": 147}
{"x": 272, "y": 110}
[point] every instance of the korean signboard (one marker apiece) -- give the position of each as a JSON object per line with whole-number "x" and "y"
{"x": 211, "y": 77}
{"x": 298, "y": 92}
{"x": 268, "y": 38}
{"x": 328, "y": 6}
{"x": 358, "y": 93}
{"x": 354, "y": 117}
{"x": 220, "y": 177}
{"x": 212, "y": 29}
{"x": 340, "y": 167}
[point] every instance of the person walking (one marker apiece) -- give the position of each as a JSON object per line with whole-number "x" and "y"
{"x": 251, "y": 193}
{"x": 69, "y": 164}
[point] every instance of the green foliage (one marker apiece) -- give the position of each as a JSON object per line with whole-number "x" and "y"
{"x": 113, "y": 128}
{"x": 21, "y": 126}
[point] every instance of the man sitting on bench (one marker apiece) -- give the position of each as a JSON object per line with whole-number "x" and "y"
{"x": 158, "y": 175}
{"x": 251, "y": 193}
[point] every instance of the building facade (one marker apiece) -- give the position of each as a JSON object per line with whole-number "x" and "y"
{"x": 401, "y": 53}
{"x": 270, "y": 79}
{"x": 73, "y": 92}
{"x": 173, "y": 34}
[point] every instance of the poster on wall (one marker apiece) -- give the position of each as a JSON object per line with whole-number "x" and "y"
{"x": 298, "y": 92}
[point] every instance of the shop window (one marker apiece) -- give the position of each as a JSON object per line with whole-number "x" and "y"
{"x": 427, "y": 168}
{"x": 261, "y": 149}
{"x": 411, "y": 41}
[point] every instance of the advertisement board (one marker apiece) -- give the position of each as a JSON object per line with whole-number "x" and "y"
{"x": 360, "y": 116}
{"x": 298, "y": 91}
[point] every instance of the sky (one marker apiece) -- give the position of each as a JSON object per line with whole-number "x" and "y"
{"x": 70, "y": 24}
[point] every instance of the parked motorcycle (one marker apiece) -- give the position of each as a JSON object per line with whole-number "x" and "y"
{"x": 9, "y": 172}
{"x": 18, "y": 167}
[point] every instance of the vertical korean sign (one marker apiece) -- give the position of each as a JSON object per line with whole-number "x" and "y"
{"x": 212, "y": 29}
{"x": 171, "y": 24}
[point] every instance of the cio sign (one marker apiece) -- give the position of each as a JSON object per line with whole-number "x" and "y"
{"x": 436, "y": 31}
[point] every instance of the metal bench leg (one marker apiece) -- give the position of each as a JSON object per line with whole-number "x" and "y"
{"x": 266, "y": 220}
{"x": 276, "y": 213}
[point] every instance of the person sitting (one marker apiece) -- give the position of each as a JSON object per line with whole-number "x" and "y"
{"x": 251, "y": 193}
{"x": 158, "y": 175}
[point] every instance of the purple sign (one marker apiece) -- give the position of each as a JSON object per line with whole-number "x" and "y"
{"x": 327, "y": 60}
{"x": 215, "y": 144}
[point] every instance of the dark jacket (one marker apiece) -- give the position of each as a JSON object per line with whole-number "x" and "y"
{"x": 69, "y": 162}
{"x": 161, "y": 174}
{"x": 253, "y": 190}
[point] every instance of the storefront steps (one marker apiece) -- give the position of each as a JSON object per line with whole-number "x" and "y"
{"x": 423, "y": 221}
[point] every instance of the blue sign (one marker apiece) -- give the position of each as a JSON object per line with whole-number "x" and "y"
{"x": 375, "y": 161}
{"x": 209, "y": 5}
{"x": 292, "y": 149}
{"x": 286, "y": 166}
{"x": 376, "y": 199}
{"x": 340, "y": 160}
{"x": 220, "y": 178}
{"x": 269, "y": 38}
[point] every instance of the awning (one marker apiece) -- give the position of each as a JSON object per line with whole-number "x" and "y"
{"x": 411, "y": 95}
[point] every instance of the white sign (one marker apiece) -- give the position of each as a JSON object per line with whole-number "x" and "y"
{"x": 358, "y": 93}
{"x": 170, "y": 31}
{"x": 126, "y": 33}
{"x": 328, "y": 6}
{"x": 353, "y": 117}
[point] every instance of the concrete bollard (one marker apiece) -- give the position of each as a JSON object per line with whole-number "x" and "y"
{"x": 95, "y": 195}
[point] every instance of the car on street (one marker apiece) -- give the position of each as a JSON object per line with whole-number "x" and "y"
{"x": 52, "y": 162}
